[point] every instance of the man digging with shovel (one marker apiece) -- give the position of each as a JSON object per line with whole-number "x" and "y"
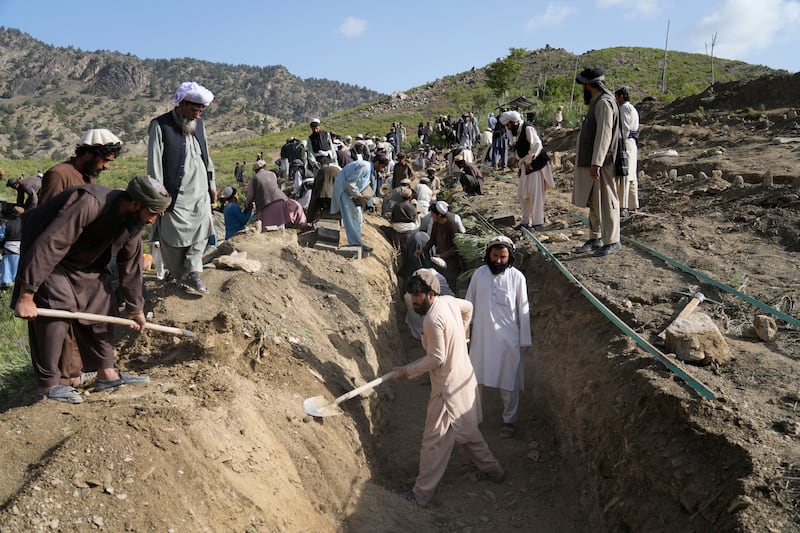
{"x": 454, "y": 409}
{"x": 66, "y": 245}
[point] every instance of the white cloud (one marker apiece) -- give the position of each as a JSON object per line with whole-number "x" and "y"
{"x": 646, "y": 8}
{"x": 743, "y": 28}
{"x": 553, "y": 16}
{"x": 353, "y": 27}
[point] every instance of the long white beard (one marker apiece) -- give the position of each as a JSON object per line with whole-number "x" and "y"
{"x": 188, "y": 126}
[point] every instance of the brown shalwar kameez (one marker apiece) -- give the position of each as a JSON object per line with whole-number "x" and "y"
{"x": 56, "y": 180}
{"x": 454, "y": 409}
{"x": 66, "y": 246}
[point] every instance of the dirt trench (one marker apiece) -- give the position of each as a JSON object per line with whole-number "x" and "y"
{"x": 610, "y": 440}
{"x": 607, "y": 441}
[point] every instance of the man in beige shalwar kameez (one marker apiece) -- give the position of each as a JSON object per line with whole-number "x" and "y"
{"x": 595, "y": 183}
{"x": 454, "y": 409}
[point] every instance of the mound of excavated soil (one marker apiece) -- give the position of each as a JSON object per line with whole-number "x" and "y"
{"x": 609, "y": 439}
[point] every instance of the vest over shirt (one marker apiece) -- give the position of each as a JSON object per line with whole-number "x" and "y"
{"x": 174, "y": 154}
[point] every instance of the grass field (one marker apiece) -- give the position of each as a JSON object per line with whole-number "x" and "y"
{"x": 15, "y": 363}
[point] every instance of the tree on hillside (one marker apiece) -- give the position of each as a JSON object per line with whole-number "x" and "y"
{"x": 502, "y": 74}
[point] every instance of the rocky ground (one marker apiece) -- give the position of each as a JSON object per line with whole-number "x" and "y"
{"x": 610, "y": 440}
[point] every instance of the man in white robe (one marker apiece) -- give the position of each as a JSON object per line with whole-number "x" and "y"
{"x": 535, "y": 175}
{"x": 501, "y": 326}
{"x": 454, "y": 409}
{"x": 629, "y": 124}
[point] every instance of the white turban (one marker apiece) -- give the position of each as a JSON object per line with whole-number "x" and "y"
{"x": 192, "y": 91}
{"x": 510, "y": 116}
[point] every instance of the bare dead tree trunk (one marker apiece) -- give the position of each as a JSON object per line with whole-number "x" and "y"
{"x": 711, "y": 55}
{"x": 664, "y": 71}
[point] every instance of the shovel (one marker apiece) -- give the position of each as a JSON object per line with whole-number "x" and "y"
{"x": 56, "y": 313}
{"x": 317, "y": 406}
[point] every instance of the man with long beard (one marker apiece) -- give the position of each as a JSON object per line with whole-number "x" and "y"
{"x": 454, "y": 409}
{"x": 177, "y": 156}
{"x": 66, "y": 245}
{"x": 96, "y": 150}
{"x": 595, "y": 176}
{"x": 501, "y": 326}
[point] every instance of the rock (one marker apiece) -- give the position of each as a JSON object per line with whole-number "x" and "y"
{"x": 739, "y": 503}
{"x": 98, "y": 521}
{"x": 702, "y": 176}
{"x": 697, "y": 339}
{"x": 766, "y": 178}
{"x": 793, "y": 396}
{"x": 765, "y": 327}
{"x": 534, "y": 456}
{"x": 796, "y": 183}
{"x": 558, "y": 237}
{"x": 792, "y": 114}
{"x": 238, "y": 261}
{"x": 716, "y": 174}
{"x": 673, "y": 173}
{"x": 738, "y": 181}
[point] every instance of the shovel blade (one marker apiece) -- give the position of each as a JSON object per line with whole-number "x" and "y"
{"x": 320, "y": 407}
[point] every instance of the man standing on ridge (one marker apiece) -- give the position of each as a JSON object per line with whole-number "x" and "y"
{"x": 595, "y": 176}
{"x": 629, "y": 125}
{"x": 177, "y": 156}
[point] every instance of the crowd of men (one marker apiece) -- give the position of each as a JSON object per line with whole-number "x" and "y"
{"x": 64, "y": 232}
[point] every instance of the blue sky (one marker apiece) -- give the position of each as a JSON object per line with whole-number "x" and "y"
{"x": 396, "y": 45}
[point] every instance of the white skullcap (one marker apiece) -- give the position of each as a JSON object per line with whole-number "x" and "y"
{"x": 440, "y": 207}
{"x": 98, "y": 137}
{"x": 510, "y": 116}
{"x": 191, "y": 91}
{"x": 314, "y": 121}
{"x": 258, "y": 165}
{"x": 502, "y": 240}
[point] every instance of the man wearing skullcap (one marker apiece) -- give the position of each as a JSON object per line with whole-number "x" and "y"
{"x": 595, "y": 184}
{"x": 66, "y": 244}
{"x": 454, "y": 409}
{"x": 535, "y": 175}
{"x": 94, "y": 153}
{"x": 321, "y": 151}
{"x": 177, "y": 156}
{"x": 501, "y": 326}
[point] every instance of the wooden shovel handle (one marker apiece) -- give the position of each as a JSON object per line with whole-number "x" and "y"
{"x": 57, "y": 313}
{"x": 363, "y": 388}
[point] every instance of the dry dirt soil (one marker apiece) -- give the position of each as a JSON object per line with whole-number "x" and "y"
{"x": 609, "y": 440}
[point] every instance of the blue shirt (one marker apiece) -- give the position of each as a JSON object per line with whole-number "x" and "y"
{"x": 235, "y": 220}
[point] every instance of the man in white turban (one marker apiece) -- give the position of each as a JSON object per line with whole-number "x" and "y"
{"x": 535, "y": 176}
{"x": 177, "y": 156}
